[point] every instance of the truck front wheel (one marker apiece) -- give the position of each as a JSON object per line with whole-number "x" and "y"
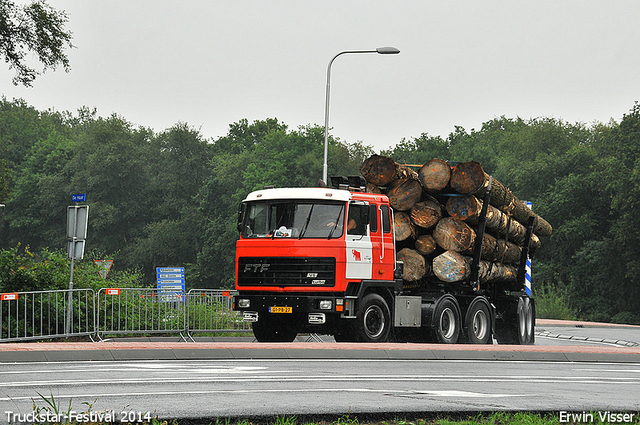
{"x": 374, "y": 319}
{"x": 268, "y": 330}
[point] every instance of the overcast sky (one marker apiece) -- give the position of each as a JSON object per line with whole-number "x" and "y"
{"x": 211, "y": 63}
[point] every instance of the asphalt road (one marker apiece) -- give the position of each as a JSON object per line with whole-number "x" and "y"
{"x": 572, "y": 368}
{"x": 248, "y": 388}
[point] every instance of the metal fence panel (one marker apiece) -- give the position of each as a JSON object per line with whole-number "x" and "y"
{"x": 210, "y": 310}
{"x": 139, "y": 310}
{"x": 45, "y": 314}
{"x": 116, "y": 311}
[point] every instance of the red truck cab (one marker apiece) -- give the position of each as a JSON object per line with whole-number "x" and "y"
{"x": 304, "y": 257}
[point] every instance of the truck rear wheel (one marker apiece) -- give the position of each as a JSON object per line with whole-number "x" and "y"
{"x": 268, "y": 330}
{"x": 526, "y": 321}
{"x": 446, "y": 320}
{"x": 517, "y": 325}
{"x": 478, "y": 322}
{"x": 374, "y": 319}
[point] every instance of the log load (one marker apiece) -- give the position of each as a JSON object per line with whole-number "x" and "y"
{"x": 402, "y": 226}
{"x": 498, "y": 250}
{"x": 426, "y": 213}
{"x": 425, "y": 245}
{"x": 437, "y": 241}
{"x": 468, "y": 209}
{"x": 414, "y": 264}
{"x": 452, "y": 266}
{"x": 404, "y": 193}
{"x": 469, "y": 178}
{"x": 452, "y": 234}
{"x": 434, "y": 175}
{"x": 379, "y": 170}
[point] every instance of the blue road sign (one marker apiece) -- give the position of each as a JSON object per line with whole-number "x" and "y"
{"x": 81, "y": 197}
{"x": 170, "y": 283}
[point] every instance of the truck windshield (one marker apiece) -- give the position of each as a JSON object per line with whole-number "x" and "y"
{"x": 293, "y": 220}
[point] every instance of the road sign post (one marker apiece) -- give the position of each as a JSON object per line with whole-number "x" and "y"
{"x": 77, "y": 219}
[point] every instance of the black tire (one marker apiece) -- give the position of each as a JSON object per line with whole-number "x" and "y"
{"x": 268, "y": 330}
{"x": 477, "y": 322}
{"x": 446, "y": 321}
{"x": 526, "y": 321}
{"x": 529, "y": 320}
{"x": 373, "y": 319}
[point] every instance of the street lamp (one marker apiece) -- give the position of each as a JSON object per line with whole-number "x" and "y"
{"x": 380, "y": 50}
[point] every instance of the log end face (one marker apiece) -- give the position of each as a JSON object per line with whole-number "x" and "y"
{"x": 450, "y": 267}
{"x": 434, "y": 175}
{"x": 378, "y": 170}
{"x": 467, "y": 178}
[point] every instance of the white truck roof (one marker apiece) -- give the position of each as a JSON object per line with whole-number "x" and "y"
{"x": 311, "y": 193}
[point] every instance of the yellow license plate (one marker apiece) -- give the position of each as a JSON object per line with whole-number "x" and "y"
{"x": 280, "y": 309}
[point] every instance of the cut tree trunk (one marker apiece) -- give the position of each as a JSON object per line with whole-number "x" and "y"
{"x": 404, "y": 193}
{"x": 425, "y": 245}
{"x": 465, "y": 208}
{"x": 402, "y": 226}
{"x": 469, "y": 178}
{"x": 468, "y": 209}
{"x": 434, "y": 175}
{"x": 452, "y": 266}
{"x": 426, "y": 213}
{"x": 414, "y": 267}
{"x": 379, "y": 170}
{"x": 452, "y": 234}
{"x": 498, "y": 250}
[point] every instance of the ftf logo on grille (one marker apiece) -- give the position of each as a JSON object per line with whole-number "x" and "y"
{"x": 256, "y": 268}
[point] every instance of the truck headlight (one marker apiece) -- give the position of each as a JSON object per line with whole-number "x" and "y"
{"x": 244, "y": 303}
{"x": 325, "y": 304}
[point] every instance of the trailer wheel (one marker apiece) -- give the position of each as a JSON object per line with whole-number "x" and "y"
{"x": 446, "y": 324}
{"x": 477, "y": 322}
{"x": 267, "y": 330}
{"x": 526, "y": 321}
{"x": 374, "y": 319}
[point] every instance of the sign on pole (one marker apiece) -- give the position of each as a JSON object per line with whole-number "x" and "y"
{"x": 105, "y": 266}
{"x": 82, "y": 197}
{"x": 76, "y": 249}
{"x": 77, "y": 216}
{"x": 170, "y": 283}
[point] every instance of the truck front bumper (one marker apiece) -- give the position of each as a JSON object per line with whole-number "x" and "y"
{"x": 313, "y": 309}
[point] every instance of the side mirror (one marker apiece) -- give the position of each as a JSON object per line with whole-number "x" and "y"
{"x": 241, "y": 209}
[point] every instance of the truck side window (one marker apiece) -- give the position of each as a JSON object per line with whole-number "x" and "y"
{"x": 357, "y": 219}
{"x": 373, "y": 218}
{"x": 386, "y": 220}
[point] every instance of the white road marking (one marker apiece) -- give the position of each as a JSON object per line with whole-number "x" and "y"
{"x": 444, "y": 393}
{"x": 344, "y": 378}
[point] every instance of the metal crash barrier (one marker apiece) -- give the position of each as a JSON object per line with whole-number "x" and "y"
{"x": 139, "y": 311}
{"x": 211, "y": 311}
{"x": 116, "y": 311}
{"x": 46, "y": 314}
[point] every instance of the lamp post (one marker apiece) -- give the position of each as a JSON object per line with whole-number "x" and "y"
{"x": 379, "y": 50}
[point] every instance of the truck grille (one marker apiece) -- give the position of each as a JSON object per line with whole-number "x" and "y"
{"x": 286, "y": 271}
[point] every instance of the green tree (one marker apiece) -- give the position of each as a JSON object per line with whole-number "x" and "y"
{"x": 179, "y": 159}
{"x": 419, "y": 150}
{"x": 34, "y": 28}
